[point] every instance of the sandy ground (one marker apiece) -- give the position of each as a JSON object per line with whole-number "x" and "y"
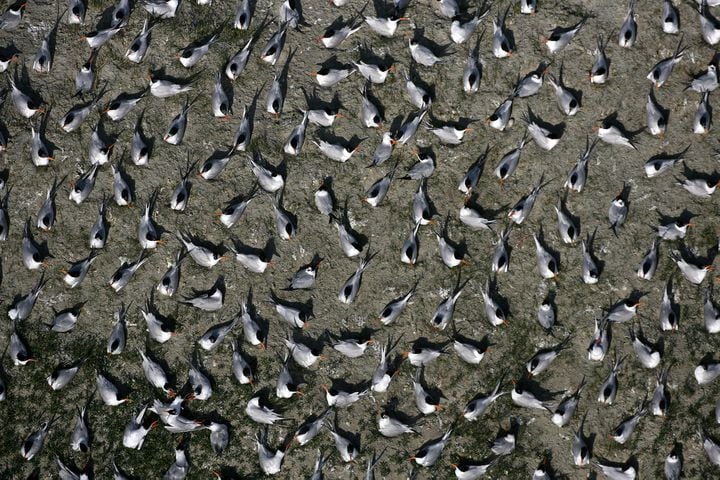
{"x": 29, "y": 399}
